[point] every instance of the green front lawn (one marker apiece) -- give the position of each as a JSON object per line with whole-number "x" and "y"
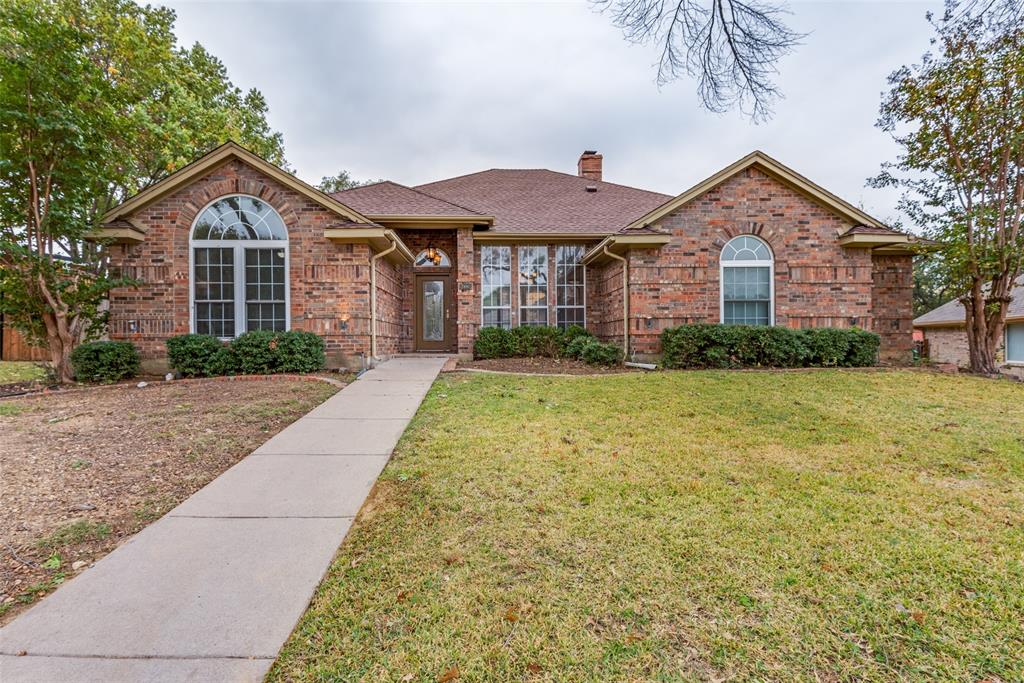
{"x": 20, "y": 371}
{"x": 687, "y": 526}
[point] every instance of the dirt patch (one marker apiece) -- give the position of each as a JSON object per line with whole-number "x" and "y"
{"x": 85, "y": 469}
{"x": 543, "y": 366}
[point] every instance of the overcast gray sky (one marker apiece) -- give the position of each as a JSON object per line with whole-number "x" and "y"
{"x": 415, "y": 92}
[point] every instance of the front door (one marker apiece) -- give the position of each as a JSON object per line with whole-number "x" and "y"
{"x": 435, "y": 325}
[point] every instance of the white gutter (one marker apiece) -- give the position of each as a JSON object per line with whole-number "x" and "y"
{"x": 625, "y": 300}
{"x": 373, "y": 294}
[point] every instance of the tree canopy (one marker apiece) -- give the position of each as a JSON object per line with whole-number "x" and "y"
{"x": 97, "y": 101}
{"x": 958, "y": 117}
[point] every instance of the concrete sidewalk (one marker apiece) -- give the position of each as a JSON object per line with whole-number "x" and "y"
{"x": 212, "y": 590}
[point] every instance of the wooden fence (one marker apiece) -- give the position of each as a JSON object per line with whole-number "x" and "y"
{"x": 14, "y": 347}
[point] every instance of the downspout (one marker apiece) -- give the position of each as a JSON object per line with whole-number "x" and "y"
{"x": 373, "y": 295}
{"x": 625, "y": 299}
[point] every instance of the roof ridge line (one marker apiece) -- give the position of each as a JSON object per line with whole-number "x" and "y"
{"x": 547, "y": 170}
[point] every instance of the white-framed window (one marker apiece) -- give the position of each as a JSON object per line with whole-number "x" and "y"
{"x": 570, "y": 286}
{"x": 747, "y": 282}
{"x": 533, "y": 285}
{"x": 1015, "y": 343}
{"x": 238, "y": 251}
{"x": 496, "y": 285}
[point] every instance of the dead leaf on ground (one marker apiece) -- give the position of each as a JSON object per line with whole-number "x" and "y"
{"x": 449, "y": 675}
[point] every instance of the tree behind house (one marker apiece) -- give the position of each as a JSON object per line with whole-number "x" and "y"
{"x": 959, "y": 118}
{"x": 97, "y": 102}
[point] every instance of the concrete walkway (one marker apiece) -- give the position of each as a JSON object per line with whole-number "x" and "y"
{"x": 211, "y": 591}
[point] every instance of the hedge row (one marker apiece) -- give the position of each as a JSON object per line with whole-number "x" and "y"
{"x": 259, "y": 352}
{"x": 105, "y": 361}
{"x": 547, "y": 342}
{"x": 733, "y": 346}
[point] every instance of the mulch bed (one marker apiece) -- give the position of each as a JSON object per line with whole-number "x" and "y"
{"x": 84, "y": 469}
{"x": 542, "y": 366}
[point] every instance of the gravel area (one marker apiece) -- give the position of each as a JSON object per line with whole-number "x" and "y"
{"x": 84, "y": 469}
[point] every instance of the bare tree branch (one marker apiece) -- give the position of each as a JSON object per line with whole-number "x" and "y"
{"x": 731, "y": 47}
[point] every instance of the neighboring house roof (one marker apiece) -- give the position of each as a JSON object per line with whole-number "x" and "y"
{"x": 543, "y": 202}
{"x": 952, "y": 313}
{"x": 389, "y": 199}
{"x": 211, "y": 161}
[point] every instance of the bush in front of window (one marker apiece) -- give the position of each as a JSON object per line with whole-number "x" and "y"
{"x": 529, "y": 341}
{"x": 105, "y": 361}
{"x": 735, "y": 346}
{"x": 597, "y": 353}
{"x": 574, "y": 349}
{"x": 300, "y": 351}
{"x": 190, "y": 354}
{"x": 494, "y": 342}
{"x": 259, "y": 352}
{"x": 537, "y": 340}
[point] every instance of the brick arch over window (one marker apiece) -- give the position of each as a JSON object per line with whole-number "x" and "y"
{"x": 771, "y": 237}
{"x": 206, "y": 193}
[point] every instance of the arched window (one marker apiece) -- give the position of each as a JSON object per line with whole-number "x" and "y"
{"x": 432, "y": 258}
{"x": 239, "y": 256}
{"x": 747, "y": 282}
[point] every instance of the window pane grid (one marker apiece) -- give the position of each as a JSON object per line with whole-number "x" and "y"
{"x": 264, "y": 289}
{"x": 570, "y": 286}
{"x": 496, "y": 286}
{"x": 533, "y": 285}
{"x": 214, "y": 291}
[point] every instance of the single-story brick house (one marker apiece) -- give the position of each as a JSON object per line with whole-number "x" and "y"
{"x": 232, "y": 243}
{"x": 943, "y": 329}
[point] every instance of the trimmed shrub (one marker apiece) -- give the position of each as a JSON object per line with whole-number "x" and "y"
{"x": 260, "y": 352}
{"x": 300, "y": 351}
{"x": 494, "y": 342}
{"x": 863, "y": 350}
{"x": 528, "y": 340}
{"x": 190, "y": 354}
{"x": 223, "y": 362}
{"x": 574, "y": 349}
{"x": 105, "y": 361}
{"x": 596, "y": 353}
{"x": 537, "y": 340}
{"x": 256, "y": 352}
{"x": 734, "y": 346}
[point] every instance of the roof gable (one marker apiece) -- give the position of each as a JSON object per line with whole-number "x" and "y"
{"x": 773, "y": 169}
{"x": 213, "y": 160}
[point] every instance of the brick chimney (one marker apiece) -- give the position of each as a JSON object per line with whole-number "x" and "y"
{"x": 589, "y": 165}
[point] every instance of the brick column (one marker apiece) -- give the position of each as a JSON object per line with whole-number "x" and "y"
{"x": 467, "y": 283}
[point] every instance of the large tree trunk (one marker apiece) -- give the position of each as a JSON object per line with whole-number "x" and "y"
{"x": 59, "y": 342}
{"x": 984, "y": 330}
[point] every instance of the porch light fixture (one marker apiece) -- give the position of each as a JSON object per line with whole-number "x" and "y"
{"x": 433, "y": 255}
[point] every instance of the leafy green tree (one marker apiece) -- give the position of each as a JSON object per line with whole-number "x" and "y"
{"x": 97, "y": 101}
{"x": 342, "y": 181}
{"x": 959, "y": 119}
{"x": 931, "y": 289}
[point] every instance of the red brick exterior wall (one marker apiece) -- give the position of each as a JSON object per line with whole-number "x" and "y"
{"x": 817, "y": 282}
{"x": 604, "y": 301}
{"x": 892, "y": 294}
{"x": 328, "y": 281}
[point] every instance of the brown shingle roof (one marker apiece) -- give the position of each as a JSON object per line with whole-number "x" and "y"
{"x": 391, "y": 199}
{"x": 542, "y": 201}
{"x": 952, "y": 312}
